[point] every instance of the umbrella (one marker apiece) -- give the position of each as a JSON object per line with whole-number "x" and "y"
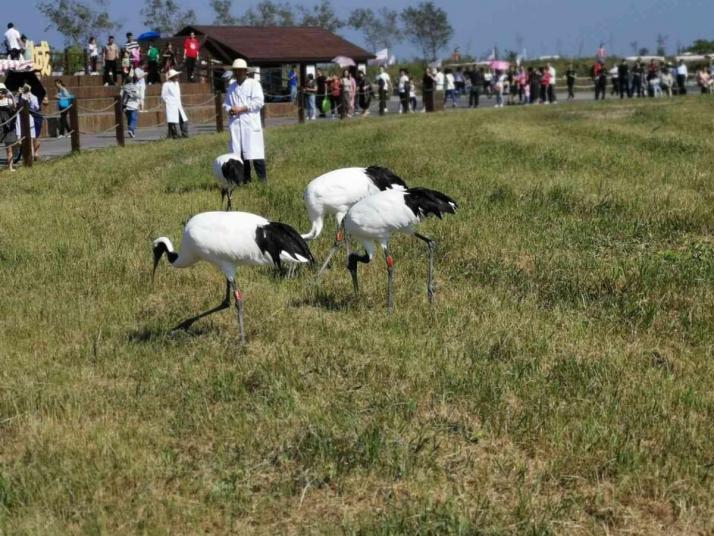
{"x": 149, "y": 36}
{"x": 499, "y": 65}
{"x": 344, "y": 61}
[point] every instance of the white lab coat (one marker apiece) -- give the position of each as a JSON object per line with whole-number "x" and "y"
{"x": 246, "y": 129}
{"x": 171, "y": 95}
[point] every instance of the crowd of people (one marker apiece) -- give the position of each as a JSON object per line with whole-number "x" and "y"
{"x": 652, "y": 79}
{"x": 120, "y": 61}
{"x": 344, "y": 94}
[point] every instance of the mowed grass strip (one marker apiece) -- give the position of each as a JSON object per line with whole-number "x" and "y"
{"x": 562, "y": 382}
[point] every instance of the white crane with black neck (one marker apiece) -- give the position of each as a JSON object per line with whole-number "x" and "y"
{"x": 378, "y": 217}
{"x": 229, "y": 172}
{"x": 336, "y": 191}
{"x": 228, "y": 240}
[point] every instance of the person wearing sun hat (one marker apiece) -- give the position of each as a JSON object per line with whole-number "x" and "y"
{"x": 243, "y": 102}
{"x": 175, "y": 115}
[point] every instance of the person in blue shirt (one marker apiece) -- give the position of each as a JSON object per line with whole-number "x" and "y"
{"x": 292, "y": 83}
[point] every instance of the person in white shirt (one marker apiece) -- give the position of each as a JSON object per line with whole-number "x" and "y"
{"x": 93, "y": 54}
{"x": 551, "y": 85}
{"x": 384, "y": 83}
{"x": 403, "y": 87}
{"x": 243, "y": 101}
{"x": 175, "y": 114}
{"x": 13, "y": 42}
{"x": 682, "y": 78}
{"x": 450, "y": 85}
{"x": 439, "y": 79}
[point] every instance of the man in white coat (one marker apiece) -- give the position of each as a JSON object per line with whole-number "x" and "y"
{"x": 243, "y": 102}
{"x": 175, "y": 115}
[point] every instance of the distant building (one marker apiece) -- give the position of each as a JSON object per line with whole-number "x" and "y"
{"x": 272, "y": 49}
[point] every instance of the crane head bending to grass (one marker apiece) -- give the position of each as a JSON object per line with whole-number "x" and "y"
{"x": 228, "y": 240}
{"x": 378, "y": 217}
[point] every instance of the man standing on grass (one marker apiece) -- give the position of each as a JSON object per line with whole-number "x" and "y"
{"x": 191, "y": 48}
{"x": 243, "y": 102}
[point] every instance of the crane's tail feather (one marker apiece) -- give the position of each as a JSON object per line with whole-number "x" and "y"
{"x": 385, "y": 179}
{"x": 283, "y": 243}
{"x": 315, "y": 230}
{"x": 425, "y": 202}
{"x": 234, "y": 172}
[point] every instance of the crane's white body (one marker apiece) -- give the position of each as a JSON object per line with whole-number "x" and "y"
{"x": 335, "y": 193}
{"x": 226, "y": 240}
{"x": 221, "y": 180}
{"x": 378, "y": 217}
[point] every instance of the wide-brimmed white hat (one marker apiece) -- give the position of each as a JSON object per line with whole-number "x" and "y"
{"x": 172, "y": 73}
{"x": 139, "y": 72}
{"x": 240, "y": 63}
{"x": 2, "y": 86}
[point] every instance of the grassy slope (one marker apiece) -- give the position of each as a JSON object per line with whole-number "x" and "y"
{"x": 562, "y": 382}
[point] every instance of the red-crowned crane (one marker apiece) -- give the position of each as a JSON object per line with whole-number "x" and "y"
{"x": 228, "y": 240}
{"x": 229, "y": 172}
{"x": 378, "y": 217}
{"x": 336, "y": 191}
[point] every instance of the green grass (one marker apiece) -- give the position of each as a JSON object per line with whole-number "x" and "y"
{"x": 563, "y": 381}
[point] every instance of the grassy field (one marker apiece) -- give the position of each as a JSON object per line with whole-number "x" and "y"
{"x": 563, "y": 381}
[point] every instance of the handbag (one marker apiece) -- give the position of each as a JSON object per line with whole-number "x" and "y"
{"x": 64, "y": 101}
{"x": 325, "y": 105}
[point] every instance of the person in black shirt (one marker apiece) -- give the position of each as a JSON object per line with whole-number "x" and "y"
{"x": 321, "y": 80}
{"x": 570, "y": 78}
{"x": 637, "y": 76}
{"x": 477, "y": 81}
{"x": 428, "y": 85}
{"x": 623, "y": 76}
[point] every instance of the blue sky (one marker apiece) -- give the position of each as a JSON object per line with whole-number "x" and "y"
{"x": 545, "y": 26}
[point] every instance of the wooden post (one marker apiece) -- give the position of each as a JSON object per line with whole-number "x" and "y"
{"x": 300, "y": 95}
{"x": 218, "y": 100}
{"x": 263, "y": 113}
{"x": 74, "y": 125}
{"x": 86, "y": 61}
{"x": 119, "y": 118}
{"x": 26, "y": 136}
{"x": 65, "y": 69}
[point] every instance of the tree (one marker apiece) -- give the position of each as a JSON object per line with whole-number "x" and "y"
{"x": 76, "y": 20}
{"x": 222, "y": 12}
{"x": 643, "y": 51}
{"x": 269, "y": 13}
{"x": 165, "y": 16}
{"x": 701, "y": 46}
{"x": 321, "y": 15}
{"x": 427, "y": 26}
{"x": 380, "y": 29}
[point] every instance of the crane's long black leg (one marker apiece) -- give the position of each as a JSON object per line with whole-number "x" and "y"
{"x": 352, "y": 261}
{"x": 430, "y": 244}
{"x": 239, "y": 311}
{"x": 339, "y": 236}
{"x": 390, "y": 278}
{"x": 230, "y": 201}
{"x": 224, "y": 305}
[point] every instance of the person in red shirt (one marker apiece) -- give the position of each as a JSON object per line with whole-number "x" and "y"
{"x": 190, "y": 54}
{"x": 544, "y": 83}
